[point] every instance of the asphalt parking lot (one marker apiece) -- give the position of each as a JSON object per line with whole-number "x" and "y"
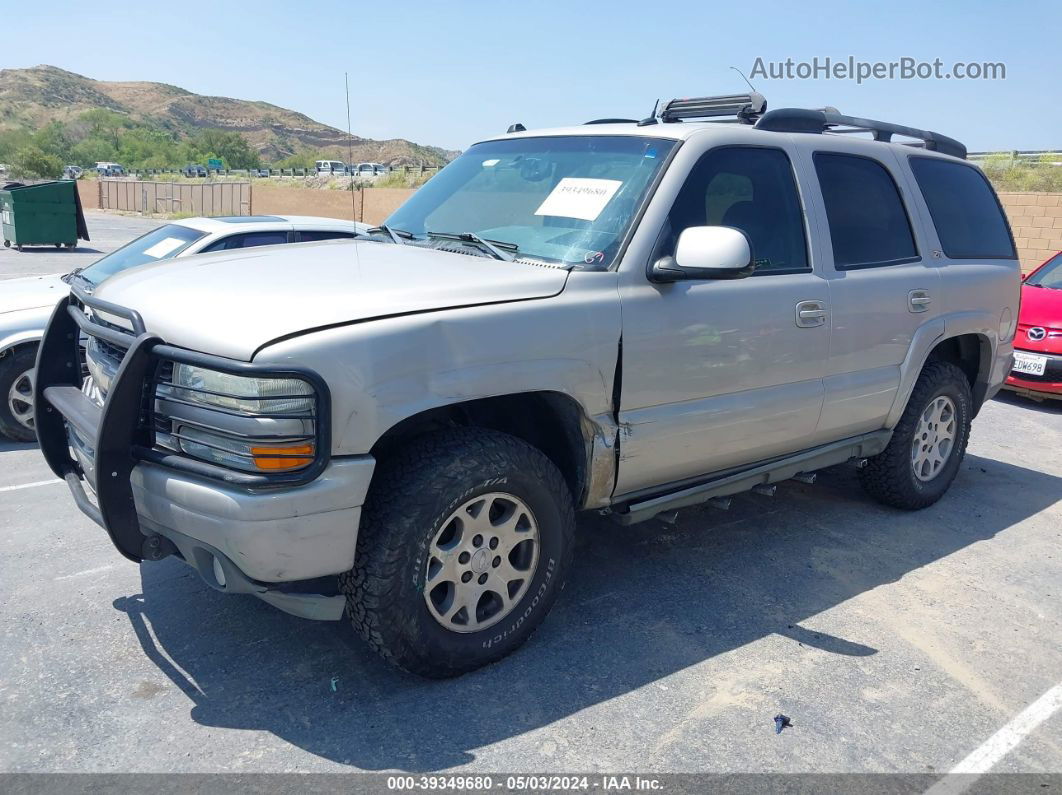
{"x": 108, "y": 232}
{"x": 894, "y": 641}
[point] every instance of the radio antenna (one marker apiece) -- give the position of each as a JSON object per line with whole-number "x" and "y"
{"x": 350, "y": 150}
{"x": 743, "y": 77}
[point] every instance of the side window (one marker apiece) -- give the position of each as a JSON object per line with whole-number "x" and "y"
{"x": 868, "y": 223}
{"x": 307, "y": 235}
{"x": 249, "y": 240}
{"x": 751, "y": 189}
{"x": 965, "y": 211}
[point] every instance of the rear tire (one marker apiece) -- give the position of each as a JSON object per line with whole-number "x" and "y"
{"x": 928, "y": 443}
{"x": 16, "y": 395}
{"x": 452, "y": 521}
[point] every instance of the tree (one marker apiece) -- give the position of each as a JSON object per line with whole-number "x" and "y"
{"x": 105, "y": 124}
{"x": 297, "y": 160}
{"x": 52, "y": 139}
{"x": 230, "y": 147}
{"x": 11, "y": 141}
{"x": 30, "y": 161}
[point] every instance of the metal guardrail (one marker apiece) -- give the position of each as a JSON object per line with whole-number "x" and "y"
{"x": 305, "y": 173}
{"x": 1030, "y": 156}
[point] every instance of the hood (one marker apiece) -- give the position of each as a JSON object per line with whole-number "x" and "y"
{"x": 1041, "y": 306}
{"x": 32, "y": 292}
{"x": 233, "y": 304}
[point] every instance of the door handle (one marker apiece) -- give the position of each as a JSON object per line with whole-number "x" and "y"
{"x": 810, "y": 314}
{"x": 918, "y": 301}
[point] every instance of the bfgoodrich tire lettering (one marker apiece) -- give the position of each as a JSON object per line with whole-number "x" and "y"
{"x": 898, "y": 476}
{"x": 415, "y": 492}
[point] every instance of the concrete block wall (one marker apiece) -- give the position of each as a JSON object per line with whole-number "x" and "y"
{"x": 1036, "y": 220}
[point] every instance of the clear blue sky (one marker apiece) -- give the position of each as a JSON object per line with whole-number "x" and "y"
{"x": 449, "y": 73}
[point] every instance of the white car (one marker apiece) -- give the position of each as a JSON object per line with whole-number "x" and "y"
{"x": 27, "y": 303}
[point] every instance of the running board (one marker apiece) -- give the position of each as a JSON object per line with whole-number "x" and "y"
{"x": 631, "y": 511}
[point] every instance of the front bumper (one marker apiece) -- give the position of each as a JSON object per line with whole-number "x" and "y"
{"x": 243, "y": 534}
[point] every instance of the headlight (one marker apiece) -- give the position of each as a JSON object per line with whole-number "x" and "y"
{"x": 250, "y": 456}
{"x": 251, "y": 424}
{"x": 243, "y": 394}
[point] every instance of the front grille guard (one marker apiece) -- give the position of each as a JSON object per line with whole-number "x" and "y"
{"x": 122, "y": 433}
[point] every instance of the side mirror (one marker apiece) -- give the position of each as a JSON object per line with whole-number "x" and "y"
{"x": 706, "y": 252}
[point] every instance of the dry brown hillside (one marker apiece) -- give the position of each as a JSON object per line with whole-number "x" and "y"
{"x": 30, "y": 98}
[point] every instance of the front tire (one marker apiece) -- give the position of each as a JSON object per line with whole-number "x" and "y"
{"x": 464, "y": 544}
{"x": 16, "y": 395}
{"x": 928, "y": 443}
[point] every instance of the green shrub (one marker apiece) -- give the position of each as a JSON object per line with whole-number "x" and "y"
{"x": 1043, "y": 175}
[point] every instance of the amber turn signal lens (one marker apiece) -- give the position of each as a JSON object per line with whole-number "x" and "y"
{"x": 280, "y": 459}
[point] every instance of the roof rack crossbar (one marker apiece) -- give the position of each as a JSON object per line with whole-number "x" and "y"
{"x": 798, "y": 120}
{"x": 746, "y": 107}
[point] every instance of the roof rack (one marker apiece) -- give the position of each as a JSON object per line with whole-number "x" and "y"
{"x": 799, "y": 120}
{"x": 746, "y": 107}
{"x": 611, "y": 121}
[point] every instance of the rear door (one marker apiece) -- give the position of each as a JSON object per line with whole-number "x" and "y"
{"x": 883, "y": 282}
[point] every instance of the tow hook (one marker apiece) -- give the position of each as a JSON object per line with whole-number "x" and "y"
{"x": 156, "y": 548}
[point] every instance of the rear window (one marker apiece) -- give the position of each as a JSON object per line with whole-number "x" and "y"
{"x": 965, "y": 211}
{"x": 868, "y": 223}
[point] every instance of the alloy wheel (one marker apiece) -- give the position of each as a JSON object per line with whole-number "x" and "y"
{"x": 481, "y": 562}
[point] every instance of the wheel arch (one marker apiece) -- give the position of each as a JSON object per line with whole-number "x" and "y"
{"x": 553, "y": 422}
{"x": 967, "y": 339}
{"x": 971, "y": 353}
{"x": 17, "y": 343}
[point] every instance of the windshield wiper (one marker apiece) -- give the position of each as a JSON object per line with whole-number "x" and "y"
{"x": 396, "y": 235}
{"x": 69, "y": 277}
{"x": 497, "y": 248}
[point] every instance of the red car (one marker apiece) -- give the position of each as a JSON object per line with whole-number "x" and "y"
{"x": 1037, "y": 371}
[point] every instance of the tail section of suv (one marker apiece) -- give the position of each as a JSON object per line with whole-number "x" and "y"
{"x": 626, "y": 318}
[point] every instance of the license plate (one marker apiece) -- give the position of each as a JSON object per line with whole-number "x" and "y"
{"x": 1029, "y": 363}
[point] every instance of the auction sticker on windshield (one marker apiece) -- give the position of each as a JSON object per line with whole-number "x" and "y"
{"x": 164, "y": 247}
{"x": 579, "y": 197}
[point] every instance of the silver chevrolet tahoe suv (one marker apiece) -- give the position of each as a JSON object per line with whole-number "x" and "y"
{"x": 622, "y": 317}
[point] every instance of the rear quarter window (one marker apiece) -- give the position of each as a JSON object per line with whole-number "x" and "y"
{"x": 965, "y": 211}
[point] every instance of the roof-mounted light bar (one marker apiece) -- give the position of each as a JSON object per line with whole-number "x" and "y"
{"x": 746, "y": 107}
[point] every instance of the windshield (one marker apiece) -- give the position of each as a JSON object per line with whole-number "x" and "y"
{"x": 163, "y": 243}
{"x": 1049, "y": 274}
{"x": 565, "y": 199}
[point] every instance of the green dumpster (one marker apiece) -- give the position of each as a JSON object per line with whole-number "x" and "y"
{"x": 45, "y": 214}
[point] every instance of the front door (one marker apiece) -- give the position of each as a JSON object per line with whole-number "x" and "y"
{"x": 718, "y": 374}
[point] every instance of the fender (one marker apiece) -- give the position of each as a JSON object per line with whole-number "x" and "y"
{"x": 14, "y": 339}
{"x": 954, "y": 324}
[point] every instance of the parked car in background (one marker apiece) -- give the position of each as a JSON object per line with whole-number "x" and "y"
{"x": 26, "y": 303}
{"x": 194, "y": 170}
{"x": 330, "y": 167}
{"x": 105, "y": 169}
{"x": 72, "y": 172}
{"x": 1037, "y": 371}
{"x": 368, "y": 169}
{"x": 623, "y": 318}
